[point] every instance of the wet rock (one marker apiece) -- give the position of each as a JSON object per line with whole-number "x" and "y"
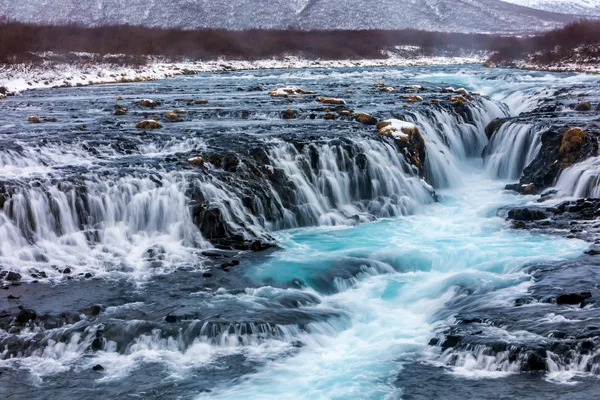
{"x": 526, "y": 214}
{"x": 583, "y": 106}
{"x": 329, "y": 116}
{"x": 25, "y": 315}
{"x": 147, "y": 103}
{"x": 331, "y": 100}
{"x": 13, "y": 276}
{"x": 573, "y": 298}
{"x": 67, "y": 271}
{"x": 120, "y": 110}
{"x": 494, "y": 126}
{"x": 197, "y": 161}
{"x": 287, "y": 91}
{"x": 560, "y": 148}
{"x": 98, "y": 368}
{"x": 450, "y": 341}
{"x": 201, "y": 102}
{"x": 171, "y": 319}
{"x": 289, "y": 114}
{"x": 148, "y": 124}
{"x": 92, "y": 311}
{"x": 172, "y": 116}
{"x": 207, "y": 275}
{"x": 34, "y": 119}
{"x": 365, "y": 119}
{"x": 413, "y": 99}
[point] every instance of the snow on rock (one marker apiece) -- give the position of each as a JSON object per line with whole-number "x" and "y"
{"x": 331, "y": 100}
{"x": 396, "y": 128}
{"x": 21, "y": 77}
{"x": 287, "y": 91}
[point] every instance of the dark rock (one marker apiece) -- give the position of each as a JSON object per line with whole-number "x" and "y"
{"x": 25, "y": 316}
{"x": 92, "y": 310}
{"x": 13, "y": 276}
{"x": 98, "y": 368}
{"x": 494, "y": 126}
{"x": 450, "y": 341}
{"x": 171, "y": 319}
{"x": 67, "y": 271}
{"x": 583, "y": 106}
{"x": 560, "y": 149}
{"x": 207, "y": 275}
{"x": 365, "y": 119}
{"x": 526, "y": 214}
{"x": 11, "y": 297}
{"x": 573, "y": 298}
{"x": 289, "y": 114}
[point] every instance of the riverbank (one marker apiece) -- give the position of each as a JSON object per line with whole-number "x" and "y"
{"x": 18, "y": 78}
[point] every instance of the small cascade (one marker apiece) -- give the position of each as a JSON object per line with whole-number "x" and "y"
{"x": 452, "y": 137}
{"x": 512, "y": 149}
{"x": 351, "y": 179}
{"x": 581, "y": 180}
{"x": 86, "y": 225}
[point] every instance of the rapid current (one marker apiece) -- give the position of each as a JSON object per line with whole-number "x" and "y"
{"x": 110, "y": 229}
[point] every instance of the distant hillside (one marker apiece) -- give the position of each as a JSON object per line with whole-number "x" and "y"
{"x": 493, "y": 16}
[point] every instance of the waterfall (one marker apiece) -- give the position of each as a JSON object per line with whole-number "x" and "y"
{"x": 581, "y": 180}
{"x": 512, "y": 149}
{"x": 452, "y": 137}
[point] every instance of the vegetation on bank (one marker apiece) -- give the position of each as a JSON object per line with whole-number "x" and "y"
{"x": 24, "y": 42}
{"x": 576, "y": 42}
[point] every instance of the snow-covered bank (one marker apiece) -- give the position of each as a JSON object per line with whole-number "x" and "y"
{"x": 21, "y": 77}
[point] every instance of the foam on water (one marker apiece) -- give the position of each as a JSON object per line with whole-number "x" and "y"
{"x": 420, "y": 262}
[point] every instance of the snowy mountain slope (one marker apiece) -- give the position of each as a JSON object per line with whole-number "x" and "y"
{"x": 586, "y": 8}
{"x": 441, "y": 15}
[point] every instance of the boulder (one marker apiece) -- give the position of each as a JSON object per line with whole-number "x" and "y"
{"x": 583, "y": 106}
{"x": 572, "y": 140}
{"x": 494, "y": 126}
{"x": 197, "y": 161}
{"x": 148, "y": 124}
{"x": 172, "y": 116}
{"x": 25, "y": 316}
{"x": 34, "y": 119}
{"x": 289, "y": 114}
{"x": 526, "y": 214}
{"x": 120, "y": 110}
{"x": 396, "y": 128}
{"x": 573, "y": 298}
{"x": 413, "y": 99}
{"x": 287, "y": 91}
{"x": 331, "y": 100}
{"x": 365, "y": 119}
{"x": 13, "y": 276}
{"x": 147, "y": 103}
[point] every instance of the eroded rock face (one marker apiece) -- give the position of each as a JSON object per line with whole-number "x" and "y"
{"x": 494, "y": 126}
{"x": 560, "y": 149}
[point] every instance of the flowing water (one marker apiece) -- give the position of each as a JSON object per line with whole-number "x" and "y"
{"x": 371, "y": 264}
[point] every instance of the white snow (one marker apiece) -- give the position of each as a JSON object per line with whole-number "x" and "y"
{"x": 23, "y": 77}
{"x": 397, "y": 128}
{"x": 585, "y": 8}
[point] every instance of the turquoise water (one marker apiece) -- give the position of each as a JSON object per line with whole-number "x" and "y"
{"x": 403, "y": 271}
